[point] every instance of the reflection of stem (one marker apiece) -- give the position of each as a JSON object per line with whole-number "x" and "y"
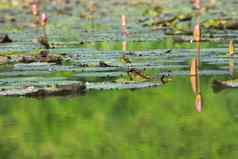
{"x": 197, "y": 59}
{"x": 198, "y": 103}
{"x": 232, "y": 66}
{"x": 232, "y": 49}
{"x": 195, "y": 80}
{"x": 195, "y": 77}
{"x": 198, "y": 51}
{"x": 124, "y": 46}
{"x": 198, "y": 83}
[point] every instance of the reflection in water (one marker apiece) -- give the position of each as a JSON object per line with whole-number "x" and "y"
{"x": 124, "y": 59}
{"x": 110, "y": 124}
{"x": 124, "y": 46}
{"x": 194, "y": 71}
{"x": 198, "y": 48}
{"x": 194, "y": 74}
{"x": 232, "y": 49}
{"x": 195, "y": 81}
{"x": 218, "y": 85}
{"x": 232, "y": 66}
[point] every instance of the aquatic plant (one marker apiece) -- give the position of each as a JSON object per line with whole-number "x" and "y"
{"x": 44, "y": 22}
{"x": 35, "y": 13}
{"x": 232, "y": 49}
{"x": 125, "y": 59}
{"x": 136, "y": 74}
{"x": 196, "y": 4}
{"x": 197, "y": 33}
{"x": 124, "y": 26}
{"x": 34, "y": 9}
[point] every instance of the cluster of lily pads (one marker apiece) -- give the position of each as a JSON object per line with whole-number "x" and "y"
{"x": 45, "y": 61}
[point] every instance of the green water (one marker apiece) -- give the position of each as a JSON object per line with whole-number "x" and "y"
{"x": 140, "y": 124}
{"x": 153, "y": 123}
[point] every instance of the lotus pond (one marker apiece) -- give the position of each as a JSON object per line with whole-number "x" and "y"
{"x": 118, "y": 79}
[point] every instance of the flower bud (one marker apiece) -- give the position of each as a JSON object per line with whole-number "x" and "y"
{"x": 196, "y": 4}
{"x": 34, "y": 9}
{"x": 44, "y": 19}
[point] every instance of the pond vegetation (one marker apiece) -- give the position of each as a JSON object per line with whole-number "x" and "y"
{"x": 118, "y": 79}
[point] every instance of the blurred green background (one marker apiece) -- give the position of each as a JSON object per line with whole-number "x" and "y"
{"x": 142, "y": 124}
